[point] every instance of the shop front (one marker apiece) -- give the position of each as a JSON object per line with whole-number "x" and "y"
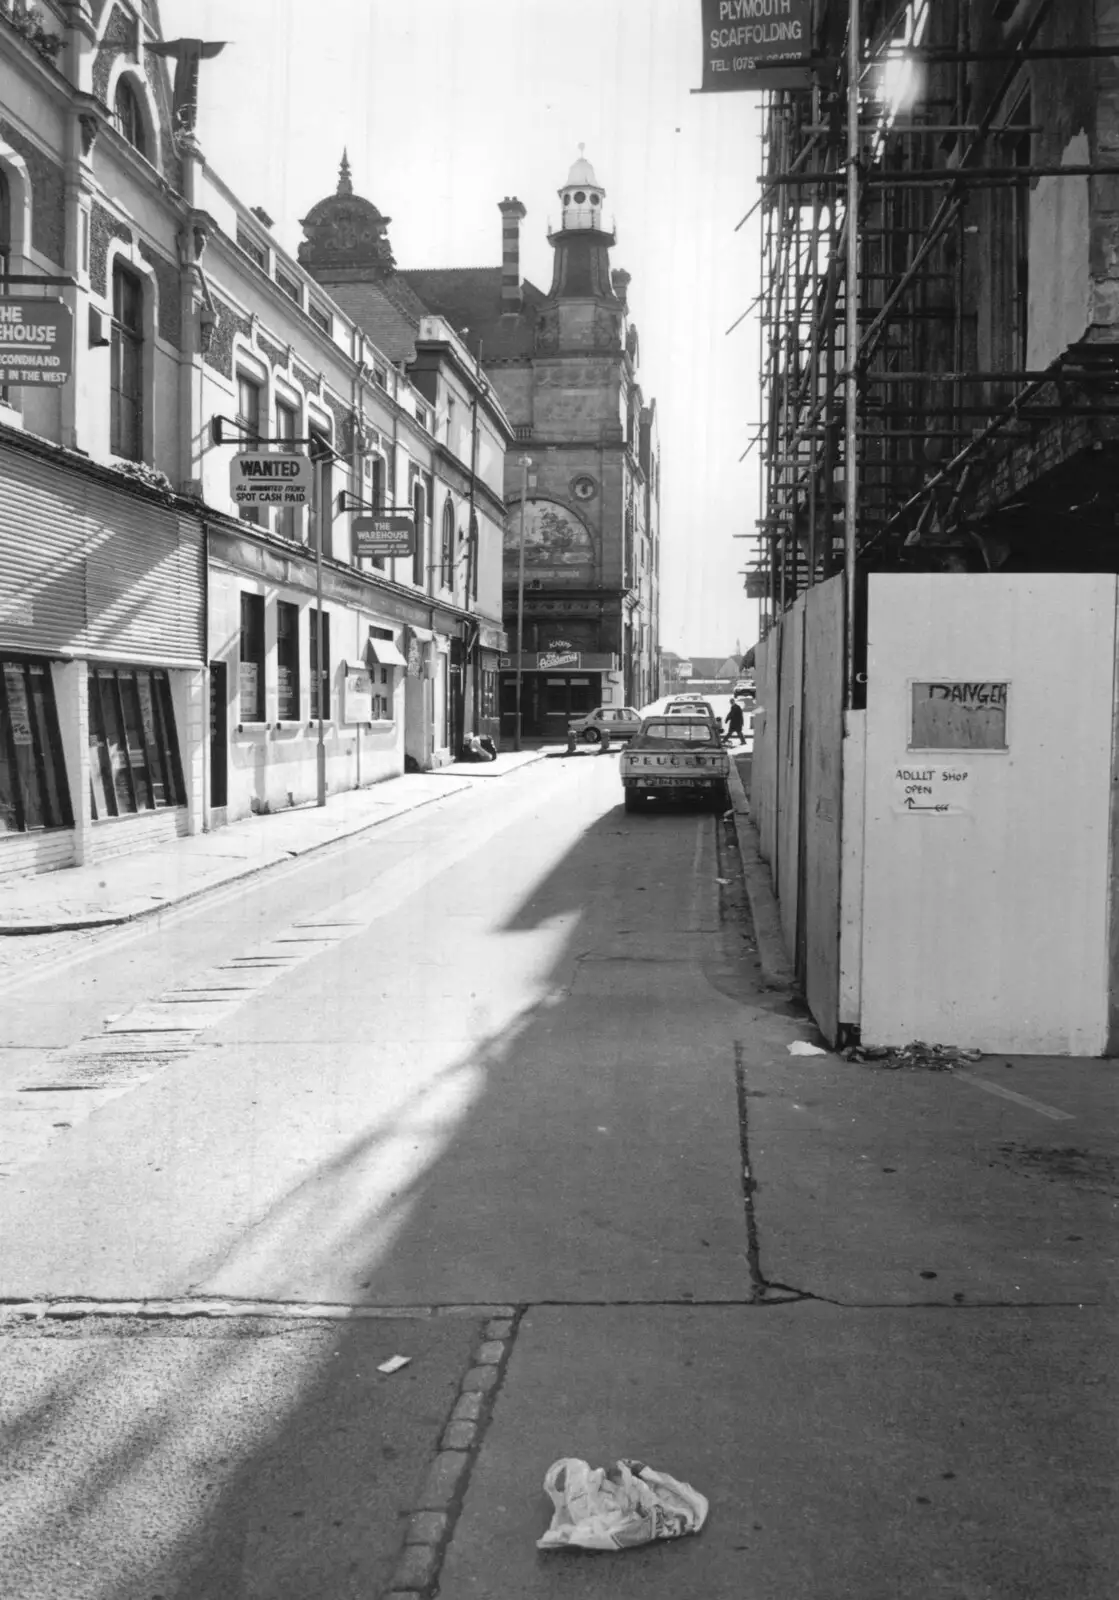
{"x": 102, "y": 604}
{"x": 556, "y": 685}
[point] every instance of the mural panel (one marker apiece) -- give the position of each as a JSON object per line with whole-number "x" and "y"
{"x": 558, "y": 548}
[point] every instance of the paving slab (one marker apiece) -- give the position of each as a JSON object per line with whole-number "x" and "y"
{"x": 925, "y": 1454}
{"x": 239, "y": 1459}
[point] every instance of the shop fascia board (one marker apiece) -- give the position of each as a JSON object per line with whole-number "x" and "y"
{"x": 240, "y": 549}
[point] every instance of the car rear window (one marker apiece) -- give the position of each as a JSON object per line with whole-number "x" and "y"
{"x": 676, "y": 731}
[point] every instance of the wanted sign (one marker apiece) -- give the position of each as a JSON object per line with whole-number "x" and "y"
{"x": 258, "y": 478}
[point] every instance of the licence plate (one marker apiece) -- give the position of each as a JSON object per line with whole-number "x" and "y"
{"x": 674, "y": 783}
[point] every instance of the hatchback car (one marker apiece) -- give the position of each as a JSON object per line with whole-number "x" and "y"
{"x": 622, "y": 722}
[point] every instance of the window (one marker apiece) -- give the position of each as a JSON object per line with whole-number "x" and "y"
{"x": 287, "y": 661}
{"x": 472, "y": 557}
{"x": 451, "y": 432}
{"x": 447, "y": 552}
{"x": 5, "y": 245}
{"x": 381, "y": 376}
{"x": 134, "y": 752}
{"x": 322, "y": 520}
{"x": 419, "y": 513}
{"x": 256, "y": 252}
{"x": 126, "y": 412}
{"x": 320, "y": 317}
{"x": 421, "y": 415}
{"x": 382, "y": 679}
{"x": 127, "y": 117}
{"x": 251, "y": 678}
{"x": 33, "y": 789}
{"x": 290, "y": 522}
{"x": 489, "y": 692}
{"x": 248, "y": 417}
{"x": 325, "y": 680}
{"x": 290, "y": 286}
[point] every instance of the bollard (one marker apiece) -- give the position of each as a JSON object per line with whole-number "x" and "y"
{"x": 604, "y": 746}
{"x": 572, "y": 740}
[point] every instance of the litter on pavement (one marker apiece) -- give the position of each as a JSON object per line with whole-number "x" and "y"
{"x": 917, "y": 1056}
{"x": 618, "y": 1507}
{"x": 801, "y": 1047}
{"x": 394, "y": 1363}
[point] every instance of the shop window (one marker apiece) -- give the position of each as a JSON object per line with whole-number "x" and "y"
{"x": 134, "y": 752}
{"x": 290, "y": 519}
{"x": 287, "y": 661}
{"x": 251, "y": 676}
{"x": 249, "y": 395}
{"x": 126, "y": 410}
{"x": 128, "y": 119}
{"x": 33, "y": 789}
{"x": 320, "y": 683}
{"x": 382, "y": 680}
{"x": 489, "y": 692}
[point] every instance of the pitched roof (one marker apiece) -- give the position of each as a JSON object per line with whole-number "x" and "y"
{"x": 470, "y": 298}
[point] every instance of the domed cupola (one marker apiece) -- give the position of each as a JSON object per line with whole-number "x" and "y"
{"x": 581, "y": 198}
{"x": 345, "y": 232}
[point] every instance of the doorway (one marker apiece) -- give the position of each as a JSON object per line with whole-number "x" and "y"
{"x": 219, "y": 736}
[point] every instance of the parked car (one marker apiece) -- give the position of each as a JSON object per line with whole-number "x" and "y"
{"x": 692, "y": 708}
{"x": 676, "y": 758}
{"x": 621, "y": 721}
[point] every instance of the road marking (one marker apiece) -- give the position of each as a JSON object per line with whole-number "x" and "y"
{"x": 1019, "y": 1099}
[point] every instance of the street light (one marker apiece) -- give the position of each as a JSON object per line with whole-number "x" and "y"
{"x": 525, "y": 463}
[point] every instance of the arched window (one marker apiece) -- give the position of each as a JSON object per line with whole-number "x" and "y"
{"x": 418, "y": 513}
{"x": 127, "y": 117}
{"x": 447, "y": 553}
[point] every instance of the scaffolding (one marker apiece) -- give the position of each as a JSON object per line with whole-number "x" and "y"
{"x": 885, "y": 408}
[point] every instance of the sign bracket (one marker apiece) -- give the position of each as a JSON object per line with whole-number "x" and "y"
{"x": 217, "y": 434}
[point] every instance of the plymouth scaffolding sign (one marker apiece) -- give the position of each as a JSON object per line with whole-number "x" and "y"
{"x": 36, "y": 342}
{"x": 756, "y": 44}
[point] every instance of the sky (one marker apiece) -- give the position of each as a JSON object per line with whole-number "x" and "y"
{"x": 446, "y": 106}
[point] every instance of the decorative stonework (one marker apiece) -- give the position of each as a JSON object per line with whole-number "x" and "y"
{"x": 103, "y": 226}
{"x": 120, "y": 34}
{"x": 275, "y": 353}
{"x": 169, "y": 158}
{"x": 307, "y": 381}
{"x": 167, "y": 280}
{"x": 343, "y": 423}
{"x": 557, "y": 545}
{"x": 219, "y": 355}
{"x": 606, "y": 329}
{"x": 48, "y": 209}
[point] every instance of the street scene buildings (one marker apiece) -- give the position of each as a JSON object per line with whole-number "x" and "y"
{"x": 540, "y": 1056}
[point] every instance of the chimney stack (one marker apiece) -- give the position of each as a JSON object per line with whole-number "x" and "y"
{"x": 511, "y": 213}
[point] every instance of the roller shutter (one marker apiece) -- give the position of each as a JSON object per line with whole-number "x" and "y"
{"x": 89, "y": 570}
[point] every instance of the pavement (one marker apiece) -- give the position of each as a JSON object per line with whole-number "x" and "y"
{"x": 127, "y": 887}
{"x": 506, "y": 1087}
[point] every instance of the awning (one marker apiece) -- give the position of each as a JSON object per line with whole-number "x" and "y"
{"x": 384, "y": 652}
{"x": 424, "y": 635}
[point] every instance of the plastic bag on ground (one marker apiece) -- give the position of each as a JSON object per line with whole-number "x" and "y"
{"x": 615, "y": 1508}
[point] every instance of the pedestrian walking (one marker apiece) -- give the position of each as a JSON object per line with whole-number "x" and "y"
{"x": 735, "y": 722}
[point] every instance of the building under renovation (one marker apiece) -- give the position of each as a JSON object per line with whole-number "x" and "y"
{"x": 939, "y": 539}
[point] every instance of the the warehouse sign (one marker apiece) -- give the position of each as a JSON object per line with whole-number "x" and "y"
{"x": 36, "y": 342}
{"x": 756, "y": 44}
{"x": 257, "y": 478}
{"x": 389, "y": 534}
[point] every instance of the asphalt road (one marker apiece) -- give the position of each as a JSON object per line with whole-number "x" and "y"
{"x": 498, "y": 1083}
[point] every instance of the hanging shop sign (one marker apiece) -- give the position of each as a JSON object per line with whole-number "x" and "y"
{"x": 389, "y": 534}
{"x": 756, "y": 44}
{"x": 259, "y": 478}
{"x": 36, "y": 342}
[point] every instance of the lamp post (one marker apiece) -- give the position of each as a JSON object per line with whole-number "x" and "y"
{"x": 525, "y": 463}
{"x": 320, "y": 749}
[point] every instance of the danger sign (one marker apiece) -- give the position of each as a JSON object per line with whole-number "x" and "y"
{"x": 259, "y": 478}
